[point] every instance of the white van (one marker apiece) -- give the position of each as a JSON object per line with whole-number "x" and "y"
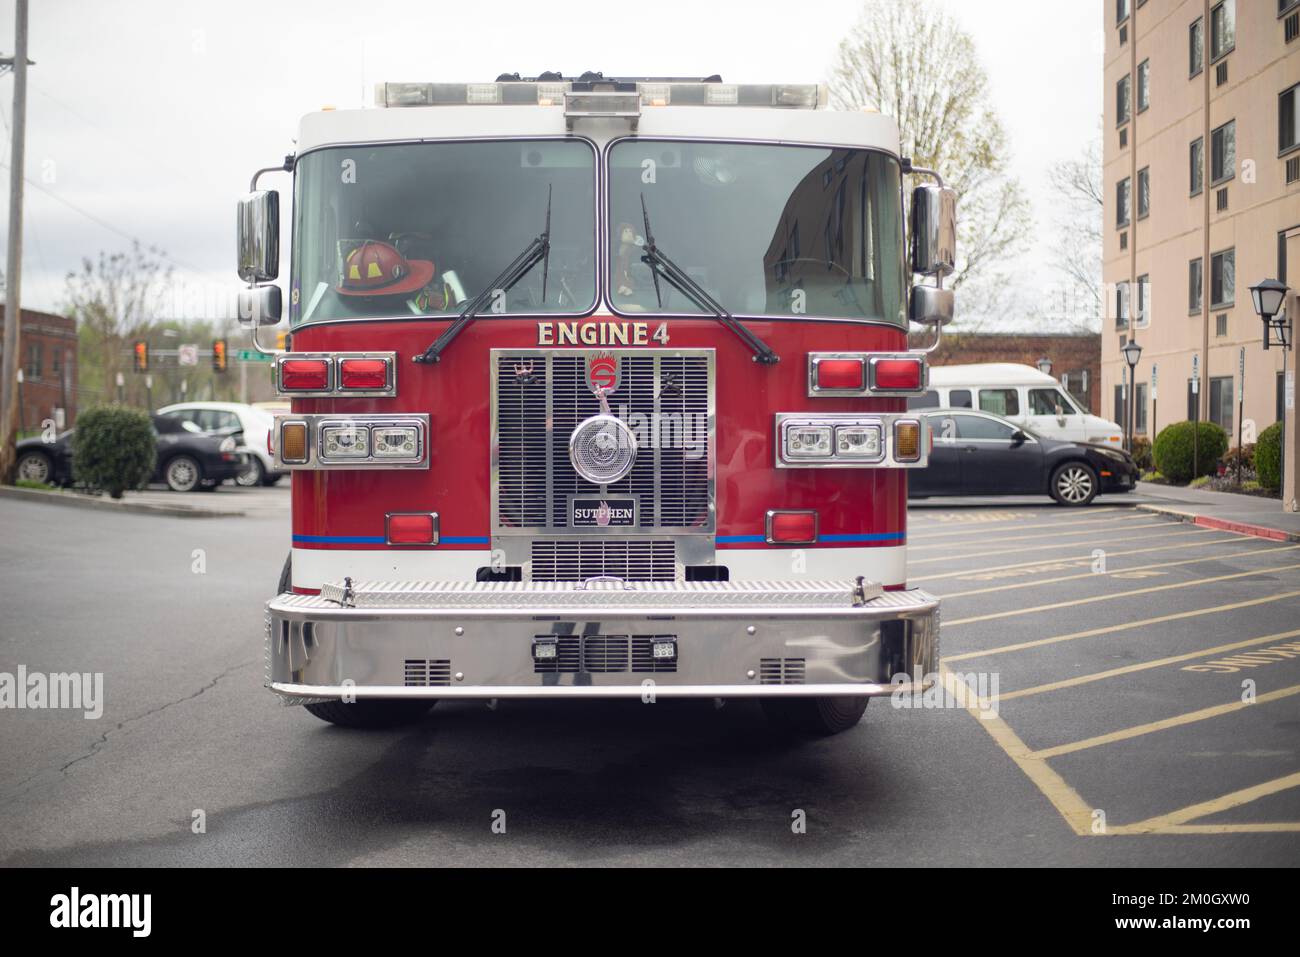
{"x": 1019, "y": 393}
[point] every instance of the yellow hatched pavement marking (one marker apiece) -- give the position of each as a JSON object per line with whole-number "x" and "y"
{"x": 1064, "y": 798}
{"x": 1175, "y": 822}
{"x": 1112, "y": 572}
{"x": 1110, "y": 596}
{"x": 1125, "y": 626}
{"x": 1125, "y": 526}
{"x": 1128, "y": 516}
{"x": 1163, "y": 724}
{"x": 971, "y": 572}
{"x": 1157, "y": 663}
{"x": 1180, "y": 530}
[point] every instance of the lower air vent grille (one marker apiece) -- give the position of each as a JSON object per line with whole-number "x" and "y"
{"x": 428, "y": 672}
{"x": 781, "y": 671}
{"x": 603, "y": 654}
{"x": 575, "y": 560}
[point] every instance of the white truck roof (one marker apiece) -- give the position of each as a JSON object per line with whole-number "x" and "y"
{"x": 407, "y": 124}
{"x": 990, "y": 374}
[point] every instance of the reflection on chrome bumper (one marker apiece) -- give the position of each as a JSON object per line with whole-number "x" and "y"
{"x": 476, "y": 640}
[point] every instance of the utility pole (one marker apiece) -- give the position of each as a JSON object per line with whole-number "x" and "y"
{"x": 14, "y": 268}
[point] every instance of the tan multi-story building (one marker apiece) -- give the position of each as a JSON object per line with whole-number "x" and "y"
{"x": 1201, "y": 174}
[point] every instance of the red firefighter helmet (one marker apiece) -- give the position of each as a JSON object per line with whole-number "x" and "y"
{"x": 378, "y": 269}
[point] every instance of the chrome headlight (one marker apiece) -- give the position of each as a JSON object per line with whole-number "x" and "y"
{"x": 345, "y": 442}
{"x": 396, "y": 441}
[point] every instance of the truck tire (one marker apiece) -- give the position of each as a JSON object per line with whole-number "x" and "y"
{"x": 822, "y": 715}
{"x": 372, "y": 712}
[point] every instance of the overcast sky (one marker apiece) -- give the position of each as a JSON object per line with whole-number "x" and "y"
{"x": 146, "y": 119}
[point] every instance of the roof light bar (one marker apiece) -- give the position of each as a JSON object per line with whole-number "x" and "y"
{"x": 550, "y": 92}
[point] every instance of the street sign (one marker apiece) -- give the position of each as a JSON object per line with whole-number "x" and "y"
{"x": 252, "y": 355}
{"x": 1241, "y": 377}
{"x": 1154, "y": 381}
{"x": 1196, "y": 374}
{"x": 187, "y": 356}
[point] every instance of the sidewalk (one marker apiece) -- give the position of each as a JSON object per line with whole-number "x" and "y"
{"x": 1247, "y": 514}
{"x": 149, "y": 502}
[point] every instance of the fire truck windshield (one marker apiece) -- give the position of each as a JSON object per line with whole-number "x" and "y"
{"x": 764, "y": 229}
{"x": 422, "y": 229}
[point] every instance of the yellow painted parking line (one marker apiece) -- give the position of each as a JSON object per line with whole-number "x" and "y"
{"x": 1177, "y": 529}
{"x": 1163, "y": 724}
{"x": 1111, "y": 572}
{"x": 1144, "y": 666}
{"x": 1127, "y": 515}
{"x": 1183, "y": 543}
{"x": 1127, "y": 526}
{"x": 1175, "y": 822}
{"x": 1111, "y": 596}
{"x": 1055, "y": 788}
{"x": 1124, "y": 626}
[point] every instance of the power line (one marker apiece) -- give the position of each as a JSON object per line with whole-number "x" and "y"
{"x": 113, "y": 229}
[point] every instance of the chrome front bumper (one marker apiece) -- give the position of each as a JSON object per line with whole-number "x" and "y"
{"x": 475, "y": 640}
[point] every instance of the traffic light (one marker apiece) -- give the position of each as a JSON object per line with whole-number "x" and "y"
{"x": 219, "y": 355}
{"x": 141, "y": 353}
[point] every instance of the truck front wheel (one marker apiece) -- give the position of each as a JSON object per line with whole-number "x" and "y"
{"x": 824, "y": 715}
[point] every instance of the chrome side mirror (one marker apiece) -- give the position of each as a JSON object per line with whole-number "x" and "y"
{"x": 259, "y": 236}
{"x": 934, "y": 230}
{"x": 931, "y": 306}
{"x": 259, "y": 306}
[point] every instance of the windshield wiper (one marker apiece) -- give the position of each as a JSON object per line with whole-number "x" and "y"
{"x": 661, "y": 265}
{"x": 539, "y": 250}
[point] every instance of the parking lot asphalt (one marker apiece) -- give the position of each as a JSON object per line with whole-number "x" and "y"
{"x": 1146, "y": 711}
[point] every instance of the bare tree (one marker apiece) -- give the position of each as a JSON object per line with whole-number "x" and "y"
{"x": 113, "y": 299}
{"x": 1078, "y": 182}
{"x": 909, "y": 60}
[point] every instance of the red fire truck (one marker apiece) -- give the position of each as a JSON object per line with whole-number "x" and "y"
{"x": 599, "y": 390}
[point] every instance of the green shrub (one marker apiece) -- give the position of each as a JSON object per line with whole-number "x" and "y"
{"x": 1268, "y": 457}
{"x": 1173, "y": 450}
{"x": 113, "y": 449}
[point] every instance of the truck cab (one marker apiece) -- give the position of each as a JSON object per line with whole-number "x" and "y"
{"x": 598, "y": 389}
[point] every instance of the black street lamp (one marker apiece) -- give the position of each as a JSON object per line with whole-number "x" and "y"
{"x": 1267, "y": 297}
{"x": 1132, "y": 353}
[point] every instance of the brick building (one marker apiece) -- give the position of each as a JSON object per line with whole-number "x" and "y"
{"x": 47, "y": 346}
{"x": 1075, "y": 359}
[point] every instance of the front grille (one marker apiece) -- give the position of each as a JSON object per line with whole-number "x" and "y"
{"x": 663, "y": 397}
{"x": 603, "y": 654}
{"x": 781, "y": 671}
{"x": 576, "y": 560}
{"x": 427, "y": 672}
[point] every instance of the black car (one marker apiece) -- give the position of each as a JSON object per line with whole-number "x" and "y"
{"x": 978, "y": 453}
{"x": 188, "y": 458}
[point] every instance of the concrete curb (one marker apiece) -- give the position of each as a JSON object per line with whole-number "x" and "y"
{"x": 77, "y": 500}
{"x": 1224, "y": 524}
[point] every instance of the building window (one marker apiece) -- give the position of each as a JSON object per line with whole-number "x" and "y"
{"x": 1288, "y": 119}
{"x": 1122, "y": 191}
{"x": 1223, "y": 153}
{"x": 55, "y": 366}
{"x": 1223, "y": 29}
{"x": 1223, "y": 268}
{"x": 1195, "y": 282}
{"x": 1196, "y": 159}
{"x": 1119, "y": 403}
{"x": 1144, "y": 192}
{"x": 1221, "y": 402}
{"x": 1144, "y": 85}
{"x": 1284, "y": 5}
{"x": 1144, "y": 301}
{"x": 1121, "y": 305}
{"x": 34, "y": 361}
{"x": 1196, "y": 47}
{"x": 1140, "y": 407}
{"x": 1121, "y": 11}
{"x": 1123, "y": 93}
{"x": 1221, "y": 325}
